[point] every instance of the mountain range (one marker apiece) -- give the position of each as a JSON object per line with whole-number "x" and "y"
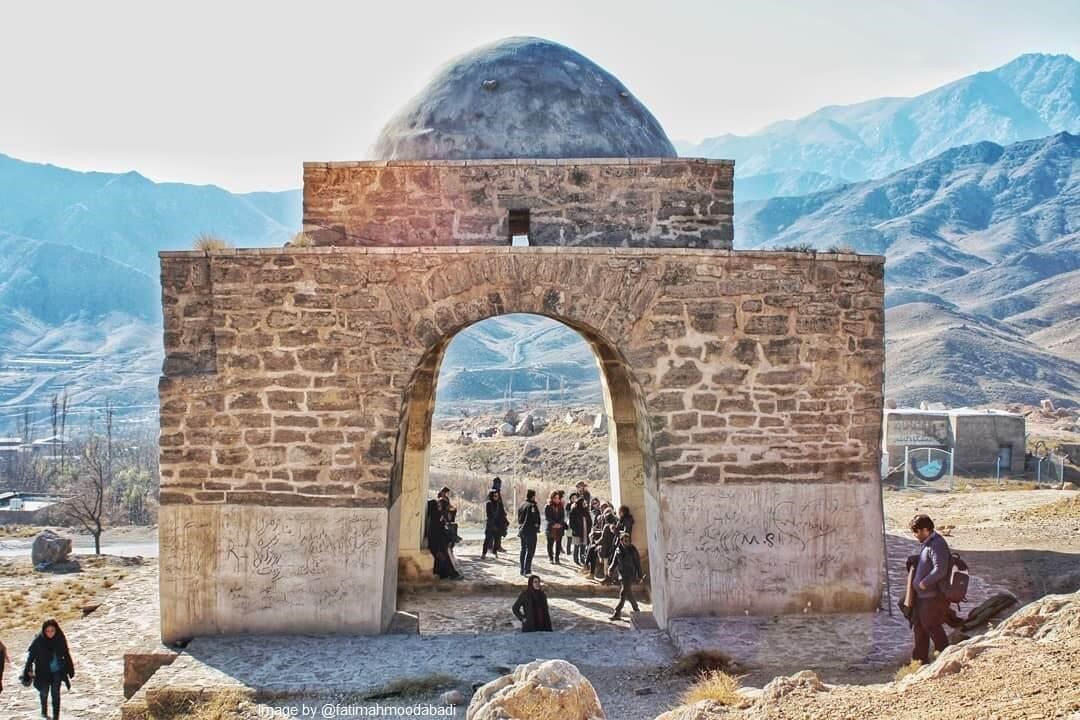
{"x": 971, "y": 191}
{"x": 1033, "y": 96}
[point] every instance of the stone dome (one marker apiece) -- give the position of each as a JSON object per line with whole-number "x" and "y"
{"x": 522, "y": 97}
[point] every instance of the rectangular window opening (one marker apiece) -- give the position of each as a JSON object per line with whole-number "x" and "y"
{"x": 519, "y": 228}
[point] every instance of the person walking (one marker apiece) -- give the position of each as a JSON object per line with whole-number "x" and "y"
{"x": 531, "y": 607}
{"x": 496, "y": 524}
{"x": 555, "y": 516}
{"x": 48, "y": 664}
{"x": 626, "y": 521}
{"x": 931, "y": 605}
{"x": 628, "y": 562}
{"x": 528, "y": 517}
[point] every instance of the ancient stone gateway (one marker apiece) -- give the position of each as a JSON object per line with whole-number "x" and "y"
{"x": 744, "y": 388}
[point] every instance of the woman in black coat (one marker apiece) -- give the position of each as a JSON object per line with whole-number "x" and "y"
{"x": 4, "y": 659}
{"x": 531, "y": 608}
{"x": 496, "y": 524}
{"x": 439, "y": 543}
{"x": 49, "y": 663}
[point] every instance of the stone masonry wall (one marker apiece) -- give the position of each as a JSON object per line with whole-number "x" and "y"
{"x": 287, "y": 375}
{"x": 615, "y": 203}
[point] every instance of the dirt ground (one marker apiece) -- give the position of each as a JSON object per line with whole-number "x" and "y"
{"x": 1025, "y": 540}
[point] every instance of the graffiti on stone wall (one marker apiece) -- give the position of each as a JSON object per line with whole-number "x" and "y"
{"x": 752, "y": 543}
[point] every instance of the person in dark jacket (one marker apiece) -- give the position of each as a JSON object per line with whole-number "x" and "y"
{"x": 48, "y": 663}
{"x": 5, "y": 659}
{"x": 496, "y": 524}
{"x": 931, "y": 605}
{"x": 555, "y": 516}
{"x": 531, "y": 607}
{"x": 626, "y": 521}
{"x": 496, "y": 484}
{"x": 580, "y": 527}
{"x": 628, "y": 561}
{"x": 609, "y": 538}
{"x": 528, "y": 518}
{"x": 439, "y": 542}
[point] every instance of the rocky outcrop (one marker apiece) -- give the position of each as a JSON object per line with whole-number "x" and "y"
{"x": 50, "y": 548}
{"x": 540, "y": 690}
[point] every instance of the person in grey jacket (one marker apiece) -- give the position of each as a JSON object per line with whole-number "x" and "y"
{"x": 931, "y": 605}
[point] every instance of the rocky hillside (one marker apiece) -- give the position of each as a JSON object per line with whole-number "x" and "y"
{"x": 983, "y": 266}
{"x": 1033, "y": 96}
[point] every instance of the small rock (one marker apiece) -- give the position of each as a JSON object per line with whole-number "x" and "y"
{"x": 579, "y": 445}
{"x": 1068, "y": 486}
{"x": 644, "y": 691}
{"x": 1047, "y": 405}
{"x": 452, "y": 697}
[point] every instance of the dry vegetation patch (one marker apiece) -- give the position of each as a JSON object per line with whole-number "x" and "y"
{"x": 1067, "y": 508}
{"x": 27, "y": 596}
{"x": 714, "y": 685}
{"x": 19, "y": 531}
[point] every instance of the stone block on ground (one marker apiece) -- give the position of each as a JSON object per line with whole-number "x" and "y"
{"x": 140, "y": 667}
{"x": 50, "y": 548}
{"x": 539, "y": 690}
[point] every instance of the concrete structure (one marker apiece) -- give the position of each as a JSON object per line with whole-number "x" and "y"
{"x": 978, "y": 438}
{"x": 743, "y": 390}
{"x": 18, "y": 508}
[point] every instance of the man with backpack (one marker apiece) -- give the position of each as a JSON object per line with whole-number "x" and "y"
{"x": 931, "y": 602}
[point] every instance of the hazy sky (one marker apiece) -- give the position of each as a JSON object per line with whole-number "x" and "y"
{"x": 240, "y": 93}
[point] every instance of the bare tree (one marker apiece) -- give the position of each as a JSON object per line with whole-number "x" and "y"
{"x": 63, "y": 427}
{"x": 87, "y": 505}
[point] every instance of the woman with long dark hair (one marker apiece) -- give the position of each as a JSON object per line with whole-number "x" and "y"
{"x": 48, "y": 663}
{"x": 531, "y": 607}
{"x": 439, "y": 542}
{"x": 555, "y": 515}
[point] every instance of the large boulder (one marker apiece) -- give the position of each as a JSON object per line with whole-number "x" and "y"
{"x": 525, "y": 427}
{"x": 50, "y": 548}
{"x": 540, "y": 690}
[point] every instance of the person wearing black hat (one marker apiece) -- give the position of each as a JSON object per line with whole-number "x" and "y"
{"x": 528, "y": 517}
{"x": 48, "y": 664}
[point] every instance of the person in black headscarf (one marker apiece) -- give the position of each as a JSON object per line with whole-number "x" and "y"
{"x": 531, "y": 607}
{"x": 48, "y": 663}
{"x": 439, "y": 542}
{"x": 496, "y": 524}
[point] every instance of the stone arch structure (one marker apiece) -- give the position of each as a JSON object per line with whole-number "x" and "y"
{"x": 756, "y": 385}
{"x": 631, "y": 465}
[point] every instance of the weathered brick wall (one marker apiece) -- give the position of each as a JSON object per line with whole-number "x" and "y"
{"x": 591, "y": 203}
{"x": 758, "y": 375}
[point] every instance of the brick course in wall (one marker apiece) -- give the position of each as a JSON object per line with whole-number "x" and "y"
{"x": 638, "y": 202}
{"x": 285, "y": 370}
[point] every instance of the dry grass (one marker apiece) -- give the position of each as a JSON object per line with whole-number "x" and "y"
{"x": 209, "y": 243}
{"x": 905, "y": 670}
{"x": 212, "y": 705}
{"x": 714, "y": 685}
{"x": 300, "y": 239}
{"x": 1064, "y": 509}
{"x": 35, "y": 596}
{"x": 19, "y": 531}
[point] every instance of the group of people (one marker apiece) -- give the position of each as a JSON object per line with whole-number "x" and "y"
{"x": 48, "y": 666}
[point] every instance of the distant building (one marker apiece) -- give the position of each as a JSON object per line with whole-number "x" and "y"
{"x": 979, "y": 439}
{"x": 18, "y": 508}
{"x": 9, "y": 452}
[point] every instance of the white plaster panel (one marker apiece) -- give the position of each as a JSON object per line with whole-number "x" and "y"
{"x": 770, "y": 548}
{"x": 246, "y": 569}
